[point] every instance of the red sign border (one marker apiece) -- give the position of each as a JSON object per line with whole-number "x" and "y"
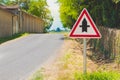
{"x": 85, "y": 12}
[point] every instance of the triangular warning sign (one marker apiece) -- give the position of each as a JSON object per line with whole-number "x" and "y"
{"x": 85, "y": 27}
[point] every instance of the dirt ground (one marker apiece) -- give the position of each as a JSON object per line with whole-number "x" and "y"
{"x": 68, "y": 61}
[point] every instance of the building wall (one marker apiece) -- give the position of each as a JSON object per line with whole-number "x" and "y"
{"x": 5, "y": 23}
{"x": 15, "y": 24}
{"x": 23, "y": 22}
{"x": 31, "y": 24}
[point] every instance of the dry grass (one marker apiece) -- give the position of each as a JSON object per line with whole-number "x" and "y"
{"x": 69, "y": 60}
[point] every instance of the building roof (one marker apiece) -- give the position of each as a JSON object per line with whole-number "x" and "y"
{"x": 2, "y": 6}
{"x": 11, "y": 9}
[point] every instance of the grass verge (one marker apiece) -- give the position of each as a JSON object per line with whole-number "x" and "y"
{"x": 37, "y": 76}
{"x": 2, "y": 40}
{"x": 106, "y": 75}
{"x": 62, "y": 32}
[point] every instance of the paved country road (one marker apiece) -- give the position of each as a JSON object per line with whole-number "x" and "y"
{"x": 21, "y": 57}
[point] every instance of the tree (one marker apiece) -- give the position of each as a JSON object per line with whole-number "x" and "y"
{"x": 105, "y": 13}
{"x": 5, "y": 2}
{"x": 116, "y": 1}
{"x": 39, "y": 8}
{"x": 1, "y": 1}
{"x": 23, "y": 3}
{"x": 69, "y": 11}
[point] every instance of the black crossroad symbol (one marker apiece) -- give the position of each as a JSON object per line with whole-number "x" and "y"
{"x": 84, "y": 25}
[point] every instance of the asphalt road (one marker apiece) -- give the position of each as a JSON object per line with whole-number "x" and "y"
{"x": 19, "y": 58}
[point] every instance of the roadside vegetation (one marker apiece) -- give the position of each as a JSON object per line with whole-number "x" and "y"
{"x": 69, "y": 65}
{"x": 106, "y": 15}
{"x": 104, "y": 12}
{"x": 109, "y": 75}
{"x": 37, "y": 76}
{"x": 2, "y": 40}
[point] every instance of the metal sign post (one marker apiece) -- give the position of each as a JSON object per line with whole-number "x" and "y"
{"x": 84, "y": 57}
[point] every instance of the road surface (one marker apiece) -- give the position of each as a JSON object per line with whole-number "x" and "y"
{"x": 21, "y": 57}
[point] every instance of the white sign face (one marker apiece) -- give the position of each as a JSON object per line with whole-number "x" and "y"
{"x": 85, "y": 27}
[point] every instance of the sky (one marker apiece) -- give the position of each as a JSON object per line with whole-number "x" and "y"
{"x": 54, "y": 8}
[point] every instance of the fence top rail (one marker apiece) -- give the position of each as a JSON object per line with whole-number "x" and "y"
{"x": 32, "y": 15}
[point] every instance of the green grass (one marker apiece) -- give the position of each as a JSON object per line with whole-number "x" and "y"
{"x": 2, "y": 40}
{"x": 37, "y": 76}
{"x": 61, "y": 32}
{"x": 107, "y": 75}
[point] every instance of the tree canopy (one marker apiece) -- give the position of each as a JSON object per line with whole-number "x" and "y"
{"x": 40, "y": 9}
{"x": 103, "y": 12}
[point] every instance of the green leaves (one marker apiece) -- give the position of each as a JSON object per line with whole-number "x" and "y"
{"x": 70, "y": 10}
{"x": 116, "y": 1}
{"x": 105, "y": 13}
{"x": 39, "y": 8}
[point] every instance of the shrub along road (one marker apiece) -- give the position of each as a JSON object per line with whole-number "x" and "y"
{"x": 19, "y": 58}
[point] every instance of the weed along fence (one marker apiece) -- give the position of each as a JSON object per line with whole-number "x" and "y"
{"x": 109, "y": 44}
{"x": 13, "y": 21}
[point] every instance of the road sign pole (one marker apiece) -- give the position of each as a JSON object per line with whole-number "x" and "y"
{"x": 84, "y": 57}
{"x": 81, "y": 30}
